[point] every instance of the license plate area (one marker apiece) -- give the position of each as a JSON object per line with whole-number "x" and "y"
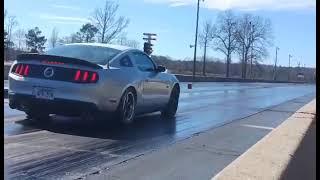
{"x": 43, "y": 93}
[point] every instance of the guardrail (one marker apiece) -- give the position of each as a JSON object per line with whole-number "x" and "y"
{"x": 188, "y": 78}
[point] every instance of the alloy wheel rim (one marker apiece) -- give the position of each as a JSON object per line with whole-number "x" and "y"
{"x": 128, "y": 107}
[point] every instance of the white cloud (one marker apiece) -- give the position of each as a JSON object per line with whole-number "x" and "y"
{"x": 244, "y": 4}
{"x": 65, "y": 7}
{"x": 177, "y": 4}
{"x": 66, "y": 19}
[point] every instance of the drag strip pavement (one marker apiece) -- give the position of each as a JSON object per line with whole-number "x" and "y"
{"x": 69, "y": 148}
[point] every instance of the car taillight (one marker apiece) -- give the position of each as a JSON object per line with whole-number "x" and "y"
{"x": 77, "y": 76}
{"x": 85, "y": 76}
{"x": 21, "y": 69}
{"x": 94, "y": 77}
{"x": 17, "y": 68}
{"x": 26, "y": 71}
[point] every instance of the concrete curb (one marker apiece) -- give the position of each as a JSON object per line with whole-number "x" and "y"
{"x": 269, "y": 157}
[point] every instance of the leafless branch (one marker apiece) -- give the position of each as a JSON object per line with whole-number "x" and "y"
{"x": 54, "y": 37}
{"x": 108, "y": 24}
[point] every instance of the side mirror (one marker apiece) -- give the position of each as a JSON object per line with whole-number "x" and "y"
{"x": 161, "y": 69}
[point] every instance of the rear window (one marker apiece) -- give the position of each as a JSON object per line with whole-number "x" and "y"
{"x": 94, "y": 54}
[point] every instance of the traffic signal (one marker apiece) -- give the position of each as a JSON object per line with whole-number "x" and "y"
{"x": 147, "y": 48}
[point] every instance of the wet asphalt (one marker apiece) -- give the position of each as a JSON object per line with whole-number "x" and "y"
{"x": 69, "y": 148}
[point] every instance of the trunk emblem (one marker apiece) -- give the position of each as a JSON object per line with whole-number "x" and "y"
{"x": 48, "y": 72}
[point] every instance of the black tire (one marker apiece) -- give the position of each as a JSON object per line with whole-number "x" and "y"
{"x": 127, "y": 107}
{"x": 170, "y": 110}
{"x": 38, "y": 116}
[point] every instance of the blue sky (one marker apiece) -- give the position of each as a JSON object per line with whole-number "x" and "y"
{"x": 294, "y": 22}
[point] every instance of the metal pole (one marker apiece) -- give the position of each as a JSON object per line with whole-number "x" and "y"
{"x": 289, "y": 68}
{"x": 252, "y": 26}
{"x": 275, "y": 65}
{"x": 195, "y": 44}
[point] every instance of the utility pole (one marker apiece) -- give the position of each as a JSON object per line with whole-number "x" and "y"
{"x": 275, "y": 65}
{"x": 195, "y": 44}
{"x": 289, "y": 68}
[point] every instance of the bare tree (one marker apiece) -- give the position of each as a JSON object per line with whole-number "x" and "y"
{"x": 54, "y": 37}
{"x": 10, "y": 24}
{"x": 123, "y": 40}
{"x": 20, "y": 38}
{"x": 108, "y": 24}
{"x": 205, "y": 38}
{"x": 253, "y": 36}
{"x": 225, "y": 36}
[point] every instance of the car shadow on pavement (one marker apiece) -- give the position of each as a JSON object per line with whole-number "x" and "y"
{"x": 303, "y": 162}
{"x": 147, "y": 126}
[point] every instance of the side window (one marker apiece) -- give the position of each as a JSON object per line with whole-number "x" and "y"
{"x": 125, "y": 62}
{"x": 143, "y": 62}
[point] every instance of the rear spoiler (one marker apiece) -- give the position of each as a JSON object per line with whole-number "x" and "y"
{"x": 45, "y": 57}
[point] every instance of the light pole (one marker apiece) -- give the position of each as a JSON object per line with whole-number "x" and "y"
{"x": 289, "y": 68}
{"x": 195, "y": 44}
{"x": 275, "y": 64}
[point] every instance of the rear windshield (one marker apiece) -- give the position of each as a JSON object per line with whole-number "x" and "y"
{"x": 94, "y": 54}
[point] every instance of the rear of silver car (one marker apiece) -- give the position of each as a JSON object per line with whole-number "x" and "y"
{"x": 59, "y": 88}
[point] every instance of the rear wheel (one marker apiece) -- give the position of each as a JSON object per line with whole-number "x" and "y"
{"x": 170, "y": 110}
{"x": 126, "y": 109}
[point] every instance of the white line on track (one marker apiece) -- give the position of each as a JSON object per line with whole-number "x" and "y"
{"x": 259, "y": 127}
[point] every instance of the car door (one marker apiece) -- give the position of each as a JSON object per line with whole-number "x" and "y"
{"x": 155, "y": 88}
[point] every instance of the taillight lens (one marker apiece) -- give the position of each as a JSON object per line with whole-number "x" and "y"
{"x": 21, "y": 69}
{"x": 94, "y": 77}
{"x": 26, "y": 70}
{"x": 85, "y": 77}
{"x": 17, "y": 68}
{"x": 77, "y": 76}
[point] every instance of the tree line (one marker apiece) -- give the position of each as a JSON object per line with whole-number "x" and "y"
{"x": 105, "y": 26}
{"x": 246, "y": 36}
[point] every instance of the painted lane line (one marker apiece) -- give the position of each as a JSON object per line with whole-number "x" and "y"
{"x": 258, "y": 127}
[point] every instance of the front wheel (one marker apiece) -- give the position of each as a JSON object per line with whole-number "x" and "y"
{"x": 170, "y": 110}
{"x": 126, "y": 109}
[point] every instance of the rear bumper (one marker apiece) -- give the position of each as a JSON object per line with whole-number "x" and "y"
{"x": 104, "y": 97}
{"x": 57, "y": 106}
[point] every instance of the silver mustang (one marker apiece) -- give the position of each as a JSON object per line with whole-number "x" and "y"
{"x": 90, "y": 79}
